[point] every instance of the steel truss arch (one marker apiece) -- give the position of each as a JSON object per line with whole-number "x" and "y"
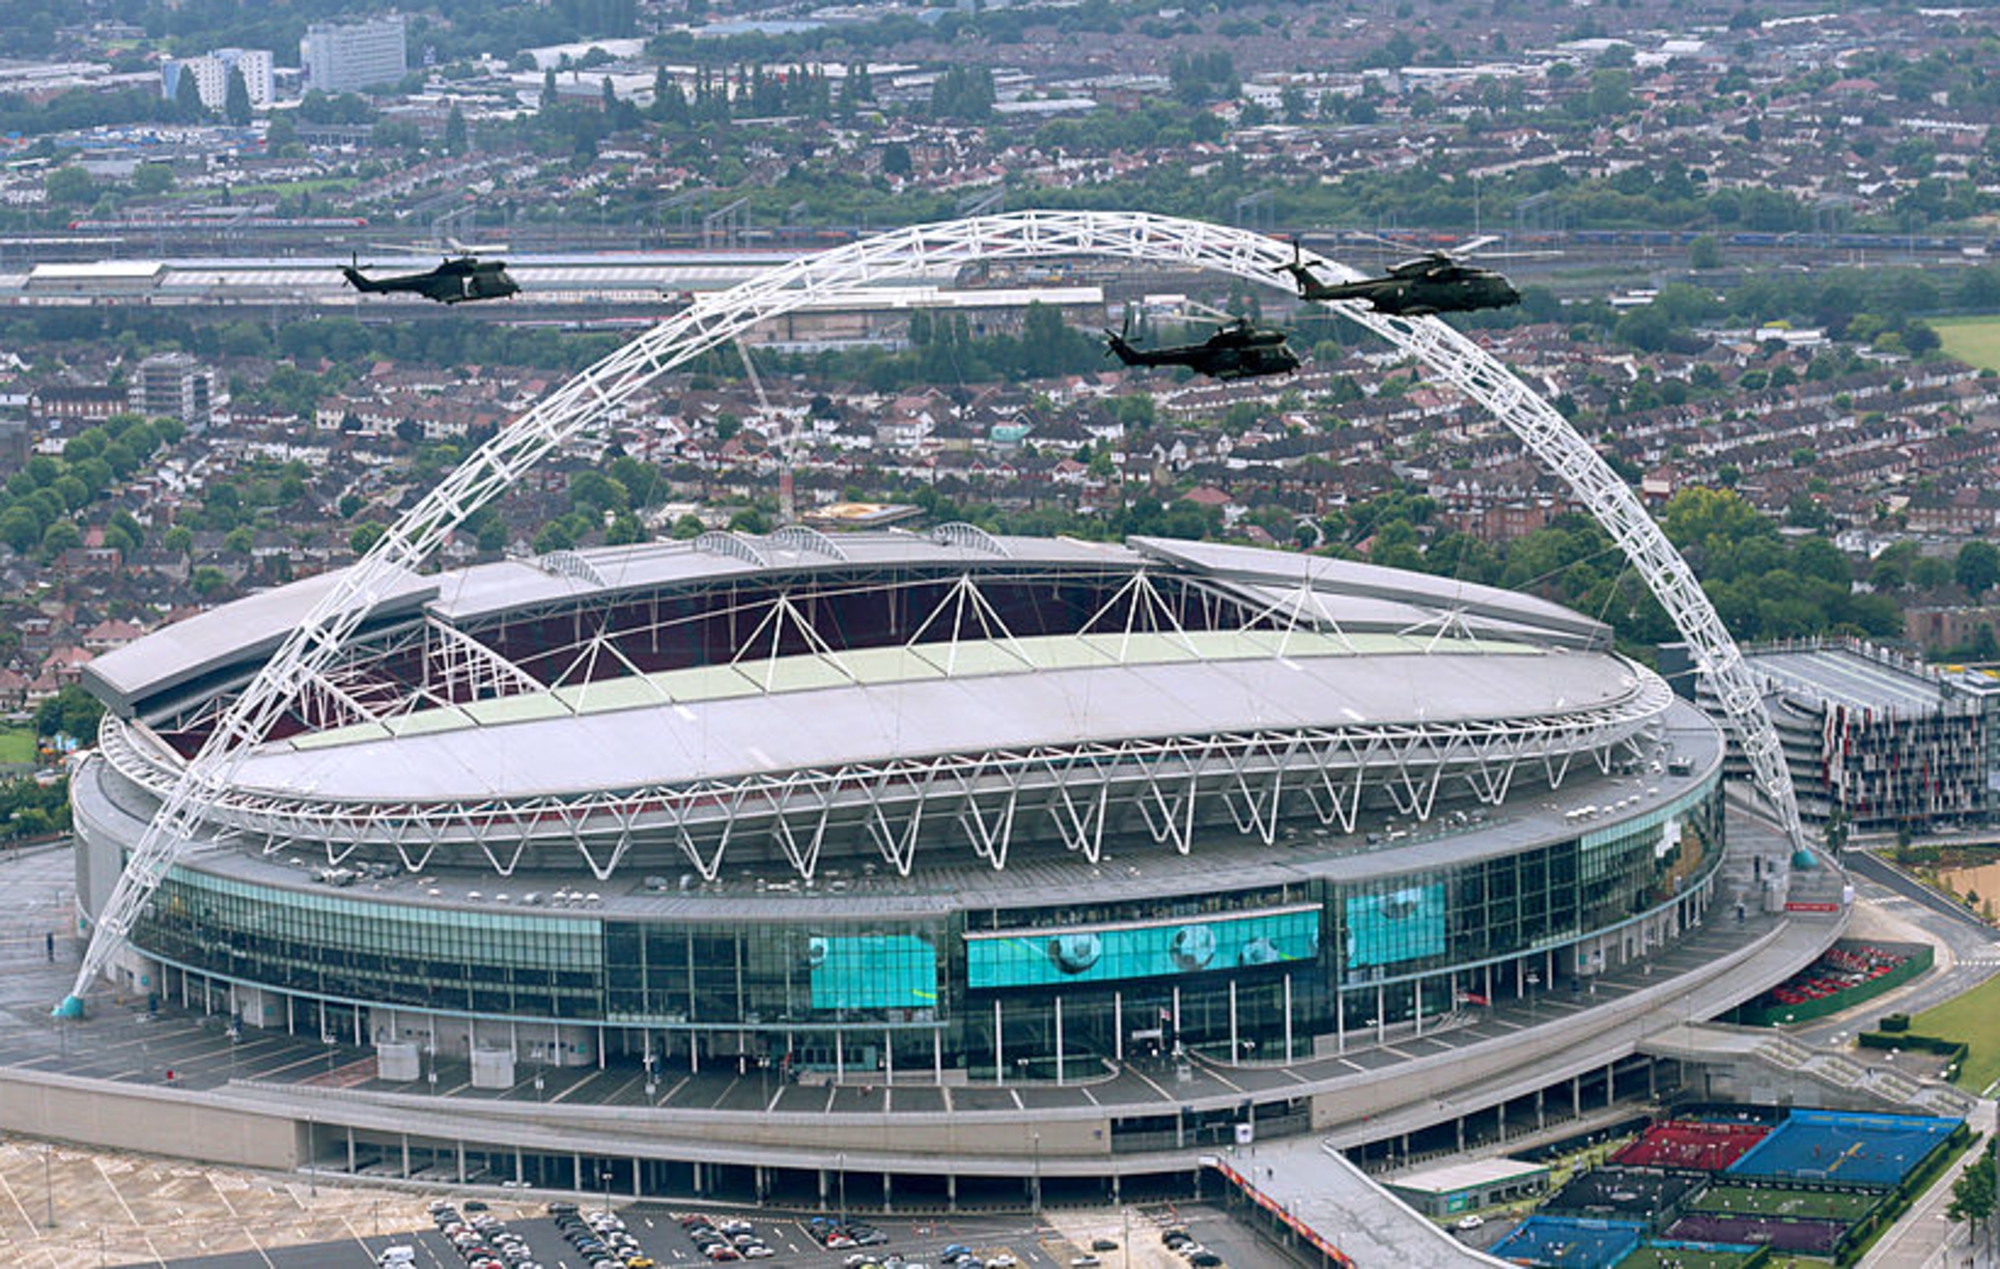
{"x": 715, "y": 320}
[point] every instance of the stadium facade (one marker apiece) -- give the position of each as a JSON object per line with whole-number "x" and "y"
{"x": 947, "y": 811}
{"x": 912, "y": 805}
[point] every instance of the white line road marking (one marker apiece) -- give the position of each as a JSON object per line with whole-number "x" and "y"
{"x": 254, "y": 1246}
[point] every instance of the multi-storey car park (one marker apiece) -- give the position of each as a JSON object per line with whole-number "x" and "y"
{"x": 1878, "y": 741}
{"x": 958, "y": 817}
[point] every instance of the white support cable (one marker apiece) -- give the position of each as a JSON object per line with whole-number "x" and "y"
{"x": 844, "y": 271}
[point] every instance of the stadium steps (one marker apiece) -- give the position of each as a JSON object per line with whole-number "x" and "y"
{"x": 1782, "y": 1050}
{"x": 1821, "y": 885}
{"x": 1888, "y": 1085}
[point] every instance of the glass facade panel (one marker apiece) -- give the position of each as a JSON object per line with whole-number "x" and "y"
{"x": 872, "y": 971}
{"x": 1397, "y": 925}
{"x": 1244, "y": 963}
{"x": 1044, "y": 957}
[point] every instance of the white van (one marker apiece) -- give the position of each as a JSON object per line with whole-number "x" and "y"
{"x": 402, "y": 1254}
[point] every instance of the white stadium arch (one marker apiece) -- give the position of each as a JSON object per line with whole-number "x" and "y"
{"x": 301, "y": 660}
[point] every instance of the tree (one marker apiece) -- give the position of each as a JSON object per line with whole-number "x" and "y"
{"x": 71, "y": 712}
{"x": 365, "y": 536}
{"x": 1977, "y": 567}
{"x": 60, "y": 536}
{"x": 1705, "y": 252}
{"x": 1973, "y": 1194}
{"x": 188, "y": 107}
{"x": 209, "y": 582}
{"x": 236, "y": 104}
{"x": 152, "y": 179}
{"x": 70, "y": 185}
{"x": 454, "y": 131}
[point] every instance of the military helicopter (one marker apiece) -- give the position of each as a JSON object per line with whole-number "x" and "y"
{"x": 1237, "y": 350}
{"x": 457, "y": 279}
{"x": 1435, "y": 282}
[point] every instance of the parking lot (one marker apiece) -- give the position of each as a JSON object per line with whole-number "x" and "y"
{"x": 1043, "y": 1245}
{"x": 62, "y": 1206}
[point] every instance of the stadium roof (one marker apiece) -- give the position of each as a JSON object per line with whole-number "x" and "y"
{"x": 242, "y": 634}
{"x": 238, "y": 637}
{"x": 949, "y": 880}
{"x": 534, "y": 746}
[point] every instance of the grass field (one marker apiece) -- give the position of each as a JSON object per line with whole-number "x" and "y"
{"x": 1973, "y": 340}
{"x": 16, "y": 746}
{"x": 1973, "y": 1017}
{"x": 1654, "y": 1257}
{"x": 1767, "y": 1201}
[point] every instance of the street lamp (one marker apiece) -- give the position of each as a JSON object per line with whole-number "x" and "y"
{"x": 1533, "y": 980}
{"x": 604, "y": 1180}
{"x": 48, "y": 1181}
{"x": 1036, "y": 1193}
{"x": 840, "y": 1162}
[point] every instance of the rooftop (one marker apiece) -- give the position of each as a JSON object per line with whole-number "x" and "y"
{"x": 1845, "y": 677}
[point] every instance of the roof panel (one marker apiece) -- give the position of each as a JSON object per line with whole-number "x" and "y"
{"x": 242, "y": 635}
{"x": 515, "y": 709}
{"x": 815, "y": 728}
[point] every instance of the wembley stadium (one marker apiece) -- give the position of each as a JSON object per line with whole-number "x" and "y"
{"x": 983, "y": 823}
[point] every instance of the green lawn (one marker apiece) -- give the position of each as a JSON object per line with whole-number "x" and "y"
{"x": 17, "y": 746}
{"x": 1973, "y": 340}
{"x": 1805, "y": 1204}
{"x": 1655, "y": 1257}
{"x": 1973, "y": 1017}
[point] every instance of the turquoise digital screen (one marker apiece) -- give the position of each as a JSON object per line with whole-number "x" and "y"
{"x": 1033, "y": 958}
{"x": 1395, "y": 925}
{"x": 872, "y": 971}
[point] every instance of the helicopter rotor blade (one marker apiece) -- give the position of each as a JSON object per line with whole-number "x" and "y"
{"x": 477, "y": 249}
{"x": 1196, "y": 311}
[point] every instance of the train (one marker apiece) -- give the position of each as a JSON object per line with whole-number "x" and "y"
{"x": 213, "y": 223}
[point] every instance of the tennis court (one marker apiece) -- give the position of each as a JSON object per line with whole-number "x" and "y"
{"x": 1560, "y": 1242}
{"x": 1618, "y": 1193}
{"x": 1816, "y": 1238}
{"x": 1701, "y": 1145}
{"x": 1777, "y": 1200}
{"x": 1854, "y": 1149}
{"x": 1662, "y": 1254}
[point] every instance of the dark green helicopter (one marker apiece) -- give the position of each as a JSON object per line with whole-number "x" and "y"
{"x": 1435, "y": 282}
{"x": 458, "y": 279}
{"x": 1237, "y": 350}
